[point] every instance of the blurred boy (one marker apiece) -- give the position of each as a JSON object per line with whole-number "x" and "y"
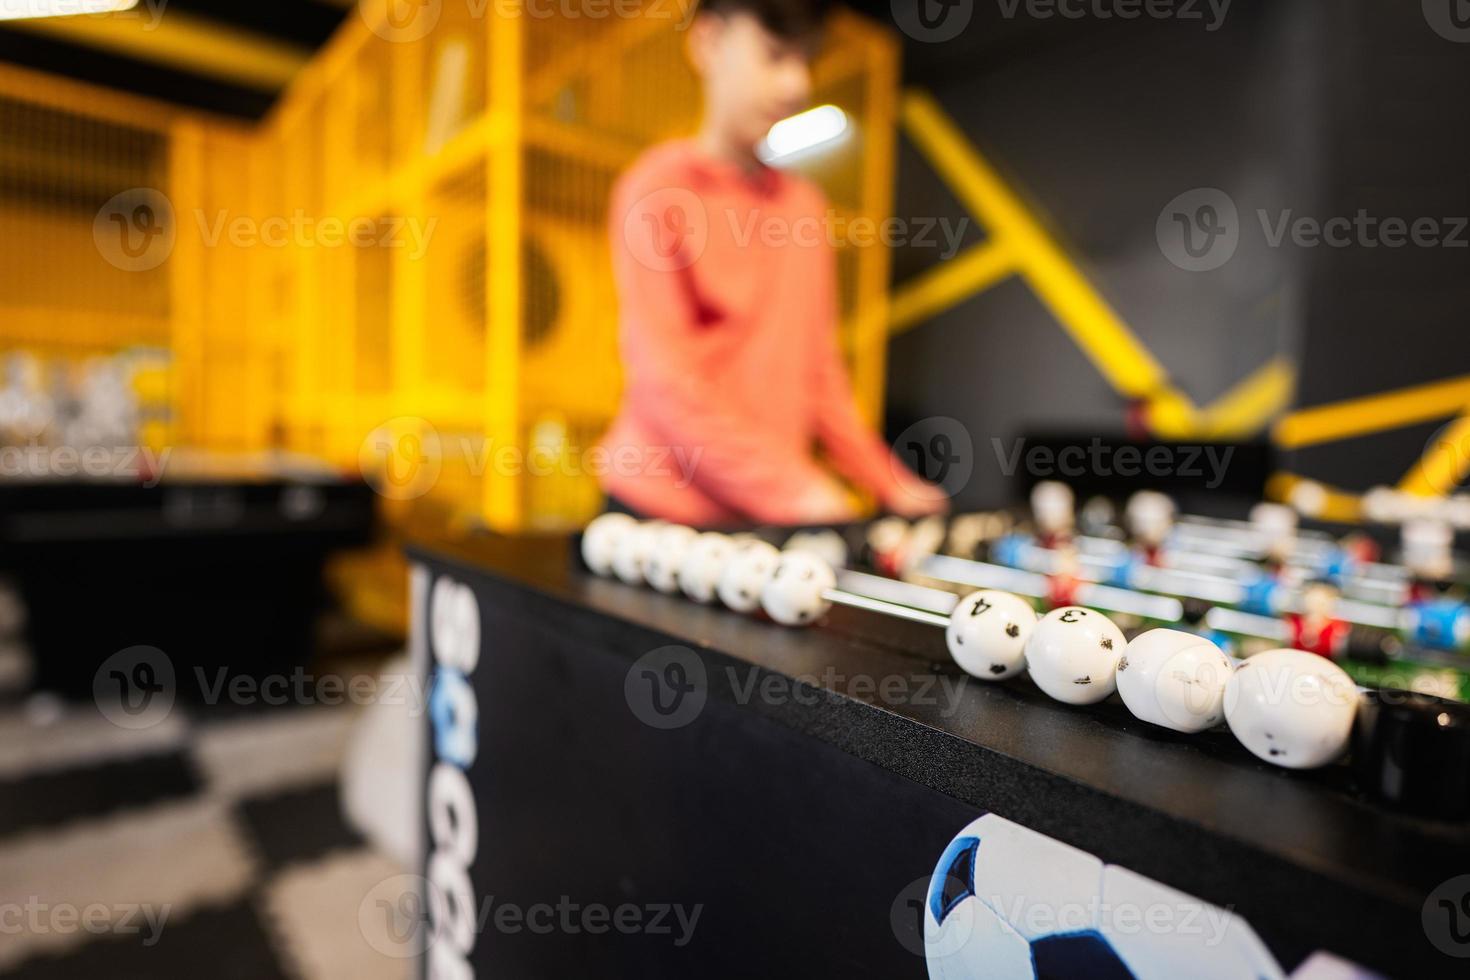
{"x": 727, "y": 286}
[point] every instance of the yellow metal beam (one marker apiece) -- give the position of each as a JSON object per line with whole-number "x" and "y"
{"x": 501, "y": 500}
{"x": 973, "y": 270}
{"x": 1097, "y": 330}
{"x": 339, "y": 54}
{"x": 1373, "y": 413}
{"x": 870, "y": 327}
{"x": 410, "y": 284}
{"x": 1444, "y": 464}
{"x": 1018, "y": 243}
{"x": 1337, "y": 505}
{"x": 1249, "y": 406}
{"x": 186, "y": 272}
{"x": 182, "y": 41}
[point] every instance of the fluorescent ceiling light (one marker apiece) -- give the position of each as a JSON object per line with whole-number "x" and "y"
{"x": 801, "y": 132}
{"x": 23, "y": 9}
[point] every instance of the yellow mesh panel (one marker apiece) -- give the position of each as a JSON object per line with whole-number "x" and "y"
{"x": 492, "y": 322}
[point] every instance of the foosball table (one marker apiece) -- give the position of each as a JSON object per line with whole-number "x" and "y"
{"x": 868, "y": 751}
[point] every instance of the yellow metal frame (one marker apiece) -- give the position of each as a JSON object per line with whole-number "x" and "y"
{"x": 505, "y": 129}
{"x": 1444, "y": 464}
{"x": 1019, "y": 244}
{"x": 89, "y": 308}
{"x": 531, "y": 66}
{"x": 501, "y": 503}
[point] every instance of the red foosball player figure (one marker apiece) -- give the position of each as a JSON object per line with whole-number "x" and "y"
{"x": 1424, "y": 589}
{"x": 1053, "y": 510}
{"x": 1427, "y": 554}
{"x": 1430, "y": 579}
{"x": 1149, "y": 516}
{"x": 1063, "y": 583}
{"x": 883, "y": 544}
{"x": 1316, "y": 629}
{"x": 1360, "y": 548}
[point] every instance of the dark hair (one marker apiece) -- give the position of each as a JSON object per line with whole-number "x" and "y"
{"x": 791, "y": 20}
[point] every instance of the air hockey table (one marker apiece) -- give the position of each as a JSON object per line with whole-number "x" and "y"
{"x": 681, "y": 791}
{"x": 216, "y": 567}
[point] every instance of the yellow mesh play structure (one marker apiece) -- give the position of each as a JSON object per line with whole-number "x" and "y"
{"x": 404, "y": 268}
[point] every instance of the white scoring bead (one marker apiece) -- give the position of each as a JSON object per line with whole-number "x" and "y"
{"x": 602, "y": 539}
{"x": 704, "y": 563}
{"x": 666, "y": 556}
{"x": 826, "y": 544}
{"x": 633, "y": 550}
{"x": 1174, "y": 679}
{"x": 987, "y": 634}
{"x": 746, "y": 575}
{"x": 793, "y": 595}
{"x": 1072, "y": 654}
{"x": 1291, "y": 708}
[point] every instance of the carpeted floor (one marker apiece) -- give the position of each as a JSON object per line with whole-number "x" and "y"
{"x": 206, "y": 846}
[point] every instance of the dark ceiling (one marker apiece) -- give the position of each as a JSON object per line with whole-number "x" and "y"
{"x": 235, "y": 56}
{"x": 227, "y": 56}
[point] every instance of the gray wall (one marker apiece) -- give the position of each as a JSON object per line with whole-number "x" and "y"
{"x": 1291, "y": 104}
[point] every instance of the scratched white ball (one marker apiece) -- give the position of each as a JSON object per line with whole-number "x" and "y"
{"x": 1291, "y": 708}
{"x": 601, "y": 540}
{"x": 746, "y": 575}
{"x": 987, "y": 634}
{"x": 1174, "y": 679}
{"x": 633, "y": 550}
{"x": 666, "y": 556}
{"x": 793, "y": 595}
{"x": 1072, "y": 654}
{"x": 704, "y": 563}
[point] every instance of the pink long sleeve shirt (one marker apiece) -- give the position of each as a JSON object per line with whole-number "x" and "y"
{"x": 732, "y": 372}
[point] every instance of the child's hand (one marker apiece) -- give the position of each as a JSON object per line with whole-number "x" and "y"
{"x": 825, "y": 502}
{"x": 916, "y": 497}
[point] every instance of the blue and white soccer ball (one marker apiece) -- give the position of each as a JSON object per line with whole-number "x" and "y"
{"x": 1006, "y": 902}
